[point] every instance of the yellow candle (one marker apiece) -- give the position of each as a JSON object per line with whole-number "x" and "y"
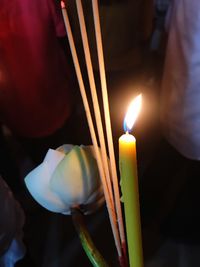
{"x": 130, "y": 195}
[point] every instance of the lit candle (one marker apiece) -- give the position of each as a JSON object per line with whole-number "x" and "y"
{"x": 129, "y": 186}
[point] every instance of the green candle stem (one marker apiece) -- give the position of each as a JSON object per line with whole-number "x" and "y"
{"x": 130, "y": 198}
{"x": 90, "y": 249}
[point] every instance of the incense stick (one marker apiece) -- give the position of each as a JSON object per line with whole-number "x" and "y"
{"x": 91, "y": 127}
{"x": 107, "y": 121}
{"x": 94, "y": 95}
{"x": 93, "y": 92}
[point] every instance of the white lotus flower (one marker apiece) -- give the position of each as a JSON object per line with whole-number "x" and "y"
{"x": 68, "y": 177}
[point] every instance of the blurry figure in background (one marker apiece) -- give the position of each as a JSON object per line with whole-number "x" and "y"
{"x": 36, "y": 81}
{"x": 180, "y": 116}
{"x": 180, "y": 110}
{"x": 11, "y": 222}
{"x": 181, "y": 86}
{"x": 36, "y": 104}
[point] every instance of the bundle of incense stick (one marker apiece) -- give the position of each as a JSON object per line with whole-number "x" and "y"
{"x": 108, "y": 173}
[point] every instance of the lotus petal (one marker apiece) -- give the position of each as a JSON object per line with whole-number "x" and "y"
{"x": 66, "y": 148}
{"x": 75, "y": 177}
{"x": 52, "y": 158}
{"x": 37, "y": 182}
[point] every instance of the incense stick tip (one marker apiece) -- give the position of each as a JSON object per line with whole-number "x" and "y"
{"x": 62, "y": 3}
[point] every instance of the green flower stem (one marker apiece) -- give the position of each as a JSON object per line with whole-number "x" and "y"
{"x": 93, "y": 254}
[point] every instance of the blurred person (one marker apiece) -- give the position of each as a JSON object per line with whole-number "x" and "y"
{"x": 36, "y": 105}
{"x": 36, "y": 79}
{"x": 170, "y": 190}
{"x": 180, "y": 109}
{"x": 180, "y": 93}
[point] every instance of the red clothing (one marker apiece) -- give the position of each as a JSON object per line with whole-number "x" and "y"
{"x": 34, "y": 75}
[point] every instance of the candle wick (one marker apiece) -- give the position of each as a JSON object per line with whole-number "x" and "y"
{"x": 127, "y": 132}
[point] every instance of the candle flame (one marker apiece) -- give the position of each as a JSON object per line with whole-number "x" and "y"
{"x": 132, "y": 113}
